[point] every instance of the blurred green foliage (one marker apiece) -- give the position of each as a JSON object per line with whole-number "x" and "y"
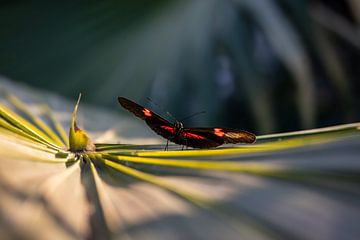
{"x": 261, "y": 65}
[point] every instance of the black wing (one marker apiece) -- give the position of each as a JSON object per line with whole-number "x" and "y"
{"x": 158, "y": 124}
{"x": 213, "y": 137}
{"x": 192, "y": 137}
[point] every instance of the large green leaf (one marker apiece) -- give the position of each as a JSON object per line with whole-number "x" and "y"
{"x": 267, "y": 64}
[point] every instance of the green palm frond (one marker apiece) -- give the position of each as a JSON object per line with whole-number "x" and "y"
{"x": 135, "y": 191}
{"x": 245, "y": 52}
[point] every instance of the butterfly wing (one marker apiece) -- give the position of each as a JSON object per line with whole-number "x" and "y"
{"x": 213, "y": 137}
{"x": 158, "y": 124}
{"x": 192, "y": 137}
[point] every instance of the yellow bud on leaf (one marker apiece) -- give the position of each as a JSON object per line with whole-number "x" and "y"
{"x": 78, "y": 139}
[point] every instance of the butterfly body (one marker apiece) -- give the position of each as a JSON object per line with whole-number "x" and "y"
{"x": 192, "y": 137}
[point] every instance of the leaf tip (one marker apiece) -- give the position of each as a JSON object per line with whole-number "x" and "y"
{"x": 78, "y": 139}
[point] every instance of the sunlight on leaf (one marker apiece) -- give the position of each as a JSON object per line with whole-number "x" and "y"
{"x": 140, "y": 191}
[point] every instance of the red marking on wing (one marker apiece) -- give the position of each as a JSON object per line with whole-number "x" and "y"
{"x": 219, "y": 132}
{"x": 147, "y": 112}
{"x": 191, "y": 135}
{"x": 169, "y": 129}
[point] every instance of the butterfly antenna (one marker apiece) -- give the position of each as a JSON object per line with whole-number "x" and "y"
{"x": 193, "y": 115}
{"x": 161, "y": 108}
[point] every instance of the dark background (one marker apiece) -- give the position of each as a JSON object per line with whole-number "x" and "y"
{"x": 260, "y": 65}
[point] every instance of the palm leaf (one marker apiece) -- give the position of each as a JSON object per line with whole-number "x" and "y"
{"x": 301, "y": 184}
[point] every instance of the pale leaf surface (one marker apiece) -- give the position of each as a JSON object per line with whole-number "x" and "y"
{"x": 302, "y": 185}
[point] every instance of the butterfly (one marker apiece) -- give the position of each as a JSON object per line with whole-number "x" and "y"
{"x": 191, "y": 137}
